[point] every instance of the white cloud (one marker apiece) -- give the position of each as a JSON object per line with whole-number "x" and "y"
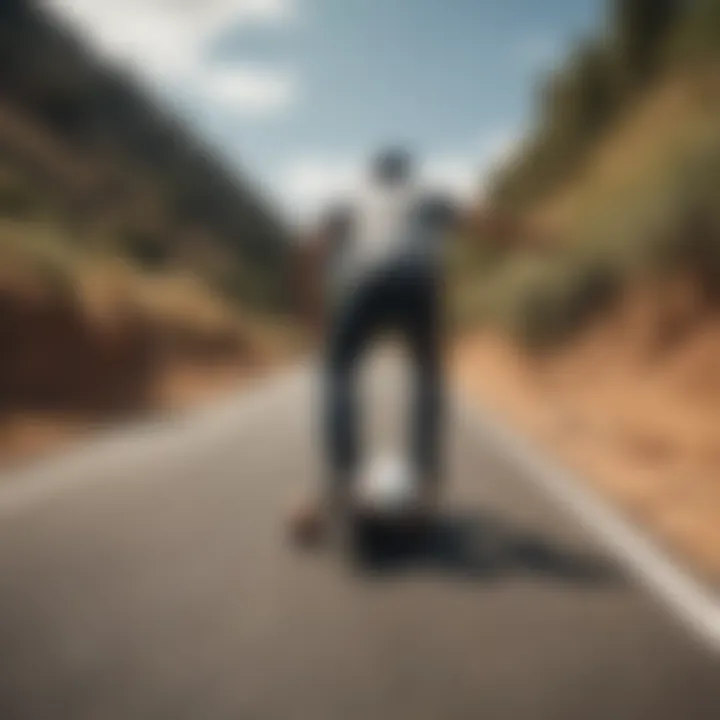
{"x": 164, "y": 41}
{"x": 309, "y": 183}
{"x": 456, "y": 175}
{"x": 465, "y": 174}
{"x": 250, "y": 89}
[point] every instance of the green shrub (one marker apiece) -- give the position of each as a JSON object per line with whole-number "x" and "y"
{"x": 697, "y": 37}
{"x": 553, "y": 305}
{"x": 16, "y": 199}
{"x": 147, "y": 248}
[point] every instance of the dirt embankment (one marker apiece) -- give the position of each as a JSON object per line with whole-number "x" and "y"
{"x": 65, "y": 367}
{"x": 635, "y": 414}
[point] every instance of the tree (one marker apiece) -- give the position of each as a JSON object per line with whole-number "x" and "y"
{"x": 641, "y": 29}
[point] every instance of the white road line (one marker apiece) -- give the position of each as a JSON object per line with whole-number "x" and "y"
{"x": 696, "y": 606}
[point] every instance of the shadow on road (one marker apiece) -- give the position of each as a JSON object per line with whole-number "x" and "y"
{"x": 480, "y": 547}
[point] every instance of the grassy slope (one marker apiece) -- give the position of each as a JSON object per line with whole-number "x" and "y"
{"x": 626, "y": 216}
{"x": 630, "y": 396}
{"x": 131, "y": 259}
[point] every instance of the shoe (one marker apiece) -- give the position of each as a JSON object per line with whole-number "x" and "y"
{"x": 313, "y": 521}
{"x": 307, "y": 523}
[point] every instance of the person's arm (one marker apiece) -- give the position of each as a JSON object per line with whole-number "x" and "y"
{"x": 442, "y": 212}
{"x": 305, "y": 281}
{"x": 314, "y": 254}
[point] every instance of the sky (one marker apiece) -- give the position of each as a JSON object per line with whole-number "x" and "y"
{"x": 297, "y": 93}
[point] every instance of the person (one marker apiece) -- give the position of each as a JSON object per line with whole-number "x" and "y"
{"x": 382, "y": 266}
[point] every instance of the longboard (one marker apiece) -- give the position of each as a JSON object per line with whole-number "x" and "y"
{"x": 382, "y": 512}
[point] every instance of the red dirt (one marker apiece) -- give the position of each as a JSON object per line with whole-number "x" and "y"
{"x": 64, "y": 371}
{"x": 642, "y": 428}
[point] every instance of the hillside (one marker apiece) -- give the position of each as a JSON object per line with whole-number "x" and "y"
{"x": 137, "y": 271}
{"x": 617, "y": 181}
{"x": 588, "y": 293}
{"x": 82, "y": 146}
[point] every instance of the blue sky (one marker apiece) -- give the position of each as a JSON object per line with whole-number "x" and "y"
{"x": 297, "y": 92}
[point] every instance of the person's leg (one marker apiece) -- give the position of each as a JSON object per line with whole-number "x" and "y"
{"x": 351, "y": 326}
{"x": 340, "y": 419}
{"x": 311, "y": 520}
{"x": 349, "y": 331}
{"x": 424, "y": 335}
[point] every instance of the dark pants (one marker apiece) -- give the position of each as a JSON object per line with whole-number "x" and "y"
{"x": 403, "y": 299}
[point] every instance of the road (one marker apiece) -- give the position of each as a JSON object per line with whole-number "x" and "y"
{"x": 148, "y": 577}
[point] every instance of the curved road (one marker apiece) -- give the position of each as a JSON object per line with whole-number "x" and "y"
{"x": 147, "y": 577}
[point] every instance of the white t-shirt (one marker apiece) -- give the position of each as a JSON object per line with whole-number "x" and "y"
{"x": 386, "y": 226}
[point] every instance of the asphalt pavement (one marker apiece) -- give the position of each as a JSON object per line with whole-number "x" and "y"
{"x": 148, "y": 576}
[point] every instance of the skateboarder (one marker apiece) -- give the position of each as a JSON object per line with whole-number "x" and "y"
{"x": 381, "y": 255}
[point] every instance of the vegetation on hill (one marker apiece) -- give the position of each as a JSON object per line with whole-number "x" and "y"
{"x": 602, "y": 81}
{"x": 616, "y": 185}
{"x": 84, "y": 151}
{"x": 130, "y": 253}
